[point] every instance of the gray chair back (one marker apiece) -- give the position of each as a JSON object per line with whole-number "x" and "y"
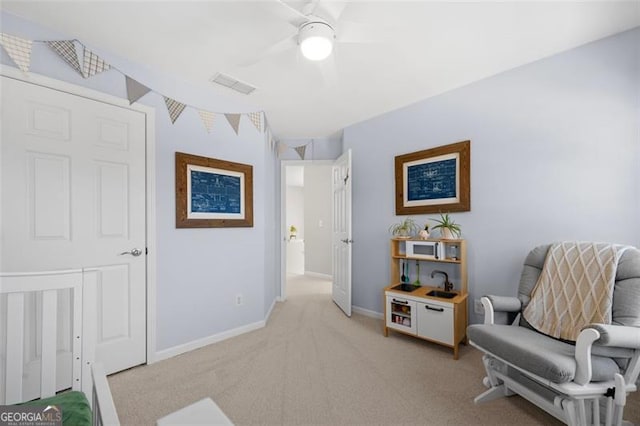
{"x": 626, "y": 293}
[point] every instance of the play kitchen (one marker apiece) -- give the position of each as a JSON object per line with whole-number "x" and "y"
{"x": 423, "y": 300}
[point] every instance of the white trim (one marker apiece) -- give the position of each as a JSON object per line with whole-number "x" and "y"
{"x": 367, "y": 312}
{"x": 318, "y": 275}
{"x": 205, "y": 341}
{"x": 273, "y": 305}
{"x": 149, "y": 112}
{"x": 151, "y": 238}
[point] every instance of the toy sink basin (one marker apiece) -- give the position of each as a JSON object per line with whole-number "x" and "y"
{"x": 406, "y": 287}
{"x": 442, "y": 294}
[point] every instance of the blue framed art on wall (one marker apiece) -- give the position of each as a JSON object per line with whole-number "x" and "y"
{"x": 213, "y": 193}
{"x": 434, "y": 180}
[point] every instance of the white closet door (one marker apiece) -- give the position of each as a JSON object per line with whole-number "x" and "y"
{"x": 73, "y": 196}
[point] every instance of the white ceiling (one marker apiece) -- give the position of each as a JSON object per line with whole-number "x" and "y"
{"x": 415, "y": 49}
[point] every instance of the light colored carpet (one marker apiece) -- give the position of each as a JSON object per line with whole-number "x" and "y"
{"x": 313, "y": 365}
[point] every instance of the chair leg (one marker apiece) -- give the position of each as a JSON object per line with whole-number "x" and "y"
{"x": 489, "y": 366}
{"x": 620, "y": 398}
{"x": 495, "y": 392}
{"x": 569, "y": 408}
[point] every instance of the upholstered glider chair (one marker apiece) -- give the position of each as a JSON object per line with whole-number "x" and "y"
{"x": 571, "y": 344}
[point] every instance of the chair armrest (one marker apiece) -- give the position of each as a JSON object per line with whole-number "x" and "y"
{"x": 602, "y": 335}
{"x": 494, "y": 304}
{"x": 617, "y": 335}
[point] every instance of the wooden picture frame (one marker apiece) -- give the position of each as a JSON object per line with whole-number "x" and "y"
{"x": 213, "y": 193}
{"x": 435, "y": 180}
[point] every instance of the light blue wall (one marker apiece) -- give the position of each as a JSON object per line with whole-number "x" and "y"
{"x": 555, "y": 155}
{"x": 200, "y": 271}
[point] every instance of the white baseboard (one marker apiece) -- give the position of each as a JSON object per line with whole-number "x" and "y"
{"x": 197, "y": 344}
{"x": 367, "y": 312}
{"x": 318, "y": 275}
{"x": 273, "y": 304}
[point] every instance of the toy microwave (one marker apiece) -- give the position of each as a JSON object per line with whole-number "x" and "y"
{"x": 425, "y": 249}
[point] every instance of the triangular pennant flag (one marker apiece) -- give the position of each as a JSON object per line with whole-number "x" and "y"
{"x": 301, "y": 150}
{"x": 93, "y": 64}
{"x": 234, "y": 120}
{"x": 207, "y": 119}
{"x": 282, "y": 148}
{"x": 135, "y": 90}
{"x": 174, "y": 107}
{"x": 18, "y": 49}
{"x": 256, "y": 119}
{"x": 67, "y": 51}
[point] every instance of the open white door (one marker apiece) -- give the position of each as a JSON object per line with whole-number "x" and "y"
{"x": 341, "y": 238}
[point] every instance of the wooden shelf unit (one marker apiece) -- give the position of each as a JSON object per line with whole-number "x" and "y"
{"x": 439, "y": 320}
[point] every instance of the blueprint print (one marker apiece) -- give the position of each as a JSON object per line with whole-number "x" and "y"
{"x": 215, "y": 193}
{"x": 431, "y": 181}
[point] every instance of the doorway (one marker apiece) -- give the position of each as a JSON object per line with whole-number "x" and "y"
{"x": 306, "y": 223}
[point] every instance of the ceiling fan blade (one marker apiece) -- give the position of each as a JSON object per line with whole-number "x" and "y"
{"x": 275, "y": 49}
{"x": 291, "y": 15}
{"x": 329, "y": 70}
{"x": 357, "y": 32}
{"x": 330, "y": 10}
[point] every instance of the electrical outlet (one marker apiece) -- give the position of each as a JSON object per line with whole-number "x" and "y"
{"x": 238, "y": 300}
{"x": 477, "y": 307}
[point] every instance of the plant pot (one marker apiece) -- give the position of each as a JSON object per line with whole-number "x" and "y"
{"x": 446, "y": 234}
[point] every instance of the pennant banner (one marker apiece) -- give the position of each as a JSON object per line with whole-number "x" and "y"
{"x": 301, "y": 150}
{"x": 256, "y": 119}
{"x": 18, "y": 49}
{"x": 135, "y": 90}
{"x": 207, "y": 119}
{"x": 282, "y": 148}
{"x": 93, "y": 64}
{"x": 234, "y": 120}
{"x": 175, "y": 108}
{"x": 66, "y": 49}
{"x": 87, "y": 64}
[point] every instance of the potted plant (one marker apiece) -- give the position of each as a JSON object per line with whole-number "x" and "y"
{"x": 447, "y": 227}
{"x": 404, "y": 229}
{"x": 293, "y": 231}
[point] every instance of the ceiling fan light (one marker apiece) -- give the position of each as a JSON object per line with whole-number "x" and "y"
{"x": 316, "y": 40}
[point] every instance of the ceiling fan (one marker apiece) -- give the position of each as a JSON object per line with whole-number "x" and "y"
{"x": 316, "y": 30}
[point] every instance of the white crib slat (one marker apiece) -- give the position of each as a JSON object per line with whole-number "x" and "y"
{"x": 89, "y": 328}
{"x": 49, "y": 340}
{"x": 76, "y": 344}
{"x": 15, "y": 348}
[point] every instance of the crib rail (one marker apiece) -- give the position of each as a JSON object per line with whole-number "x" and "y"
{"x": 16, "y": 286}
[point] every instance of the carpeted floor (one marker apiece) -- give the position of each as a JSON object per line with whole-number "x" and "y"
{"x": 313, "y": 365}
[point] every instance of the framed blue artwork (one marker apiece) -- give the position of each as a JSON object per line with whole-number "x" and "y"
{"x": 213, "y": 193}
{"x": 435, "y": 180}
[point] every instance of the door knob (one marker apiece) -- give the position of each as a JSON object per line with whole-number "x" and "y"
{"x": 134, "y": 252}
{"x": 347, "y": 241}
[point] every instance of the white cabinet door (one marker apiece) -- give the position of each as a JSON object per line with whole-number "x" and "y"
{"x": 435, "y": 322}
{"x": 73, "y": 196}
{"x": 401, "y": 314}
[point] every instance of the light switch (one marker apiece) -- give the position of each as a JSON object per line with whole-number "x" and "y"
{"x": 320, "y": 223}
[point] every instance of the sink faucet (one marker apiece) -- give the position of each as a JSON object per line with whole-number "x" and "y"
{"x": 448, "y": 286}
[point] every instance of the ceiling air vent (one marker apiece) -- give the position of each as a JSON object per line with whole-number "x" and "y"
{"x": 232, "y": 83}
